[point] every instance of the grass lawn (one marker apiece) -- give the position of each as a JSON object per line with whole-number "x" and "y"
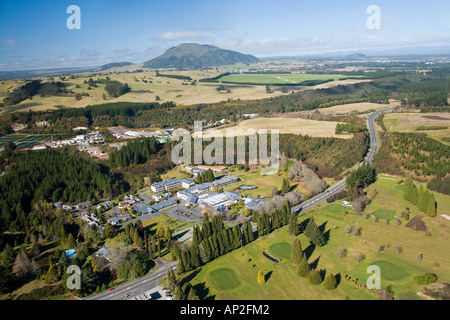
{"x": 397, "y": 270}
{"x": 281, "y": 250}
{"x": 224, "y": 278}
{"x": 410, "y": 122}
{"x": 336, "y": 208}
{"x": 384, "y": 214}
{"x": 264, "y": 184}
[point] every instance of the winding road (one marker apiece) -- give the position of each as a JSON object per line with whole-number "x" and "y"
{"x": 374, "y": 147}
{"x": 148, "y": 282}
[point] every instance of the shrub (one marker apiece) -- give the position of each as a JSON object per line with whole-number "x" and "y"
{"x": 315, "y": 277}
{"x": 426, "y": 279}
{"x": 330, "y": 282}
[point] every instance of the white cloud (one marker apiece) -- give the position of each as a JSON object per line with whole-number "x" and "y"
{"x": 183, "y": 35}
{"x": 10, "y": 43}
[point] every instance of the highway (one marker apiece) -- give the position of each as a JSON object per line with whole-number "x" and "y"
{"x": 374, "y": 147}
{"x": 138, "y": 286}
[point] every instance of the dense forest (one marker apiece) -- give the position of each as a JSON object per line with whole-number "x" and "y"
{"x": 35, "y": 177}
{"x": 135, "y": 152}
{"x": 329, "y": 157}
{"x": 416, "y": 153}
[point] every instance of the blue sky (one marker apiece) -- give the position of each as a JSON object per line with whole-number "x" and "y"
{"x": 33, "y": 34}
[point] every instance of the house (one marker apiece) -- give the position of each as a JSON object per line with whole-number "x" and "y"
{"x": 167, "y": 185}
{"x": 67, "y": 208}
{"x": 199, "y": 188}
{"x": 57, "y": 205}
{"x": 192, "y": 200}
{"x": 159, "y": 197}
{"x": 224, "y": 181}
{"x": 102, "y": 252}
{"x": 187, "y": 183}
{"x": 219, "y": 201}
{"x": 163, "y": 205}
{"x": 119, "y": 219}
{"x": 144, "y": 209}
{"x": 82, "y": 205}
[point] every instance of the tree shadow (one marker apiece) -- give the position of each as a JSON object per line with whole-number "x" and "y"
{"x": 326, "y": 236}
{"x": 309, "y": 250}
{"x": 323, "y": 226}
{"x": 315, "y": 263}
{"x": 303, "y": 224}
{"x": 338, "y": 279}
{"x": 190, "y": 276}
{"x": 268, "y": 275}
{"x": 203, "y": 291}
{"x": 181, "y": 234}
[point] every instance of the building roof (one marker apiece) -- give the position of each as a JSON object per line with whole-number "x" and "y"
{"x": 163, "y": 204}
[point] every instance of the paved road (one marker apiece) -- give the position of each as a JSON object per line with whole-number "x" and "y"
{"x": 137, "y": 286}
{"x": 374, "y": 147}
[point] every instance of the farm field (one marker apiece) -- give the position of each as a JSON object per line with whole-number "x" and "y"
{"x": 313, "y": 128}
{"x": 278, "y": 79}
{"x": 168, "y": 89}
{"x": 23, "y": 140}
{"x": 397, "y": 270}
{"x": 359, "y": 107}
{"x": 410, "y": 122}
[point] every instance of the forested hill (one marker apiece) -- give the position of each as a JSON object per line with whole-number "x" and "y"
{"x": 49, "y": 175}
{"x": 196, "y": 56}
{"x": 114, "y": 65}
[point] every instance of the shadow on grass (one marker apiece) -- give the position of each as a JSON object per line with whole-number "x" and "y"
{"x": 190, "y": 276}
{"x": 268, "y": 275}
{"x": 203, "y": 291}
{"x": 315, "y": 263}
{"x": 309, "y": 250}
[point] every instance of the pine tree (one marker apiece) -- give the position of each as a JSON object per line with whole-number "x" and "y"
{"x": 294, "y": 228}
{"x": 168, "y": 234}
{"x": 250, "y": 232}
{"x": 303, "y": 268}
{"x": 431, "y": 206}
{"x": 261, "y": 278}
{"x": 208, "y": 251}
{"x": 314, "y": 277}
{"x": 330, "y": 282}
{"x": 180, "y": 266}
{"x": 206, "y": 226}
{"x": 286, "y": 186}
{"x": 297, "y": 252}
{"x": 195, "y": 261}
{"x": 226, "y": 240}
{"x": 51, "y": 275}
{"x": 309, "y": 227}
{"x": 421, "y": 199}
{"x": 407, "y": 188}
{"x": 414, "y": 195}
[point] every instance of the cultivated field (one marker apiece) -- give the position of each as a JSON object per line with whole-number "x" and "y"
{"x": 278, "y": 79}
{"x": 361, "y": 107}
{"x": 168, "y": 89}
{"x": 397, "y": 270}
{"x": 410, "y": 122}
{"x": 311, "y": 128}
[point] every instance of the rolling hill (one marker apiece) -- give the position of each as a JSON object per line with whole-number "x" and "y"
{"x": 196, "y": 56}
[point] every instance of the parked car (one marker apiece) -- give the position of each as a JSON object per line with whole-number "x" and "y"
{"x": 111, "y": 289}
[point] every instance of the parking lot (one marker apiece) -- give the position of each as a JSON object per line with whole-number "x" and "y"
{"x": 157, "y": 293}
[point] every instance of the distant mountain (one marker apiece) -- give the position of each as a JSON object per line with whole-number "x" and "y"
{"x": 114, "y": 64}
{"x": 356, "y": 56}
{"x": 196, "y": 56}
